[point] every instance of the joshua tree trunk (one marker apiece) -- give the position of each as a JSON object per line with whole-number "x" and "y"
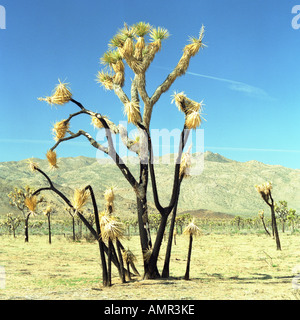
{"x": 121, "y": 261}
{"x": 103, "y": 263}
{"x": 143, "y": 227}
{"x": 26, "y": 228}
{"x": 187, "y": 272}
{"x": 128, "y": 269}
{"x": 152, "y": 272}
{"x": 166, "y": 269}
{"x": 49, "y": 228}
{"x": 109, "y": 261}
{"x": 73, "y": 228}
{"x": 275, "y": 229}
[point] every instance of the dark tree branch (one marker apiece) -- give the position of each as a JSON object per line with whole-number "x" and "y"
{"x": 176, "y": 184}
{"x": 114, "y": 155}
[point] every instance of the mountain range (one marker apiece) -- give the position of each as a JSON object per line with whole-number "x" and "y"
{"x": 224, "y": 185}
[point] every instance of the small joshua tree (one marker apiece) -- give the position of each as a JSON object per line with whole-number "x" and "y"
{"x": 12, "y": 223}
{"x": 129, "y": 258}
{"x": 22, "y": 199}
{"x": 291, "y": 218}
{"x": 191, "y": 230}
{"x": 265, "y": 191}
{"x": 282, "y": 211}
{"x": 111, "y": 230}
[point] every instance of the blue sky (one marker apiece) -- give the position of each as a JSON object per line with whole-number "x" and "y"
{"x": 248, "y": 75}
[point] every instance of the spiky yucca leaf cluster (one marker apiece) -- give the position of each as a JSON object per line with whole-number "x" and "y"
{"x": 141, "y": 30}
{"x": 195, "y": 43}
{"x": 264, "y": 190}
{"x": 189, "y": 51}
{"x": 130, "y": 45}
{"x": 186, "y": 163}
{"x": 132, "y": 111}
{"x": 105, "y": 79}
{"x": 60, "y": 129}
{"x": 60, "y": 96}
{"x": 33, "y": 166}
{"x": 52, "y": 159}
{"x": 193, "y": 120}
{"x": 31, "y": 203}
{"x": 109, "y": 196}
{"x": 80, "y": 198}
{"x": 98, "y": 124}
{"x": 192, "y": 229}
{"x": 112, "y": 59}
{"x": 111, "y": 229}
{"x": 157, "y": 35}
{"x": 48, "y": 210}
{"x": 128, "y": 256}
{"x": 190, "y": 108}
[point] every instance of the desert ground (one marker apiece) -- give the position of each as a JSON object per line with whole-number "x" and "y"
{"x": 239, "y": 266}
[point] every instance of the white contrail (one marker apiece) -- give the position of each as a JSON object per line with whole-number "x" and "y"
{"x": 233, "y": 85}
{"x": 236, "y": 85}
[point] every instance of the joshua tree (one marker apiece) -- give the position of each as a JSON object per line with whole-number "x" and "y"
{"x": 130, "y": 46}
{"x": 191, "y": 230}
{"x": 182, "y": 220}
{"x": 261, "y": 215}
{"x": 282, "y": 211}
{"x": 23, "y": 200}
{"x": 238, "y": 220}
{"x": 12, "y": 223}
{"x": 265, "y": 191}
{"x": 291, "y": 217}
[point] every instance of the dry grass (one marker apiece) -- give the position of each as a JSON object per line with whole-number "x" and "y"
{"x": 222, "y": 267}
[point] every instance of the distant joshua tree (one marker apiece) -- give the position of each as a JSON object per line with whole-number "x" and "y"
{"x": 12, "y": 223}
{"x": 23, "y": 200}
{"x": 291, "y": 218}
{"x": 137, "y": 46}
{"x": 282, "y": 211}
{"x": 265, "y": 191}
